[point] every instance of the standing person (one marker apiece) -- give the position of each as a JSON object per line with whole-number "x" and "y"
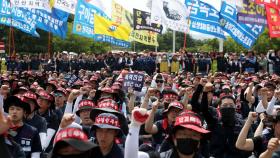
{"x": 174, "y": 64}
{"x": 126, "y": 61}
{"x": 263, "y": 62}
{"x": 251, "y": 63}
{"x": 164, "y": 64}
{"x": 63, "y": 64}
{"x": 221, "y": 62}
{"x": 203, "y": 65}
{"x": 276, "y": 62}
{"x": 110, "y": 61}
{"x": 25, "y": 135}
{"x": 234, "y": 64}
{"x": 34, "y": 63}
{"x": 24, "y": 63}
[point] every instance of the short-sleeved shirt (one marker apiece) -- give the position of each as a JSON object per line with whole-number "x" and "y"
{"x": 163, "y": 131}
{"x": 28, "y": 138}
{"x": 38, "y": 122}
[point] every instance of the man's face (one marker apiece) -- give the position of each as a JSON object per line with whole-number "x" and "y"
{"x": 105, "y": 137}
{"x": 31, "y": 104}
{"x": 173, "y": 113}
{"x": 84, "y": 115}
{"x": 43, "y": 103}
{"x": 59, "y": 99}
{"x": 16, "y": 113}
{"x": 227, "y": 103}
{"x": 186, "y": 133}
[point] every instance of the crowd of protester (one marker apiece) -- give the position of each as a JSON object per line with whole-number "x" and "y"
{"x": 76, "y": 106}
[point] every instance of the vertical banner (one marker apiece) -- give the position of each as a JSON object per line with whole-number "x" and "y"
{"x": 84, "y": 19}
{"x": 142, "y": 21}
{"x": 244, "y": 34}
{"x": 170, "y": 13}
{"x": 273, "y": 18}
{"x": 251, "y": 13}
{"x": 204, "y": 18}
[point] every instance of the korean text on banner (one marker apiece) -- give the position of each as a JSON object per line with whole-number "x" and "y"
{"x": 170, "y": 13}
{"x": 32, "y": 4}
{"x": 84, "y": 19}
{"x": 68, "y": 6}
{"x": 134, "y": 80}
{"x": 107, "y": 27}
{"x": 271, "y": 3}
{"x": 273, "y": 18}
{"x": 145, "y": 37}
{"x": 142, "y": 21}
{"x": 204, "y": 18}
{"x": 251, "y": 13}
{"x": 16, "y": 17}
{"x": 54, "y": 22}
{"x": 244, "y": 34}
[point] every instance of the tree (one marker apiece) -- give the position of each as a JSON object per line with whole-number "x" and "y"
{"x": 231, "y": 46}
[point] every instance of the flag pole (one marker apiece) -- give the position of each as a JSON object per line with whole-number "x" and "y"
{"x": 174, "y": 41}
{"x": 49, "y": 44}
{"x": 185, "y": 38}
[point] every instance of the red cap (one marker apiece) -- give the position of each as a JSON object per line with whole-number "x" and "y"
{"x": 45, "y": 95}
{"x": 70, "y": 133}
{"x": 190, "y": 120}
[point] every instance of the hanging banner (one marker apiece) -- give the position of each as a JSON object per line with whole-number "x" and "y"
{"x": 273, "y": 18}
{"x": 84, "y": 19}
{"x": 122, "y": 16}
{"x": 145, "y": 37}
{"x": 244, "y": 34}
{"x": 107, "y": 27}
{"x": 271, "y": 3}
{"x": 204, "y": 18}
{"x": 68, "y": 6}
{"x": 54, "y": 22}
{"x": 104, "y": 5}
{"x": 142, "y": 21}
{"x": 170, "y": 13}
{"x": 16, "y": 17}
{"x": 112, "y": 40}
{"x": 251, "y": 13}
{"x": 32, "y": 4}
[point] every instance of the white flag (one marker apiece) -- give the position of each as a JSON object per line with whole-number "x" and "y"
{"x": 68, "y": 6}
{"x": 170, "y": 13}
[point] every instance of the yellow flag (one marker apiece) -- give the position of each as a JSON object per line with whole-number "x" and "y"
{"x": 107, "y": 27}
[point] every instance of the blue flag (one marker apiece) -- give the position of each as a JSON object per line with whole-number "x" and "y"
{"x": 112, "y": 40}
{"x": 204, "y": 18}
{"x": 84, "y": 18}
{"x": 244, "y": 34}
{"x": 55, "y": 22}
{"x": 16, "y": 17}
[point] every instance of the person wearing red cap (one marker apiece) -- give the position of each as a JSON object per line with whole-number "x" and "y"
{"x": 46, "y": 110}
{"x": 33, "y": 118}
{"x": 25, "y": 135}
{"x": 185, "y": 136}
{"x": 59, "y": 101}
{"x": 107, "y": 127}
{"x": 162, "y": 128}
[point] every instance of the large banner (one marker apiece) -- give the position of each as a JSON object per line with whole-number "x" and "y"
{"x": 251, "y": 13}
{"x": 244, "y": 34}
{"x": 271, "y": 3}
{"x": 170, "y": 13}
{"x": 54, "y": 22}
{"x": 142, "y": 21}
{"x": 107, "y": 27}
{"x": 273, "y": 18}
{"x": 32, "y": 4}
{"x": 17, "y": 18}
{"x": 204, "y": 18}
{"x": 84, "y": 19}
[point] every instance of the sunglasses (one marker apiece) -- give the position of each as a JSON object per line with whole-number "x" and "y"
{"x": 159, "y": 81}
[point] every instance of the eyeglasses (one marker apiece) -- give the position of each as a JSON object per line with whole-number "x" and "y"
{"x": 228, "y": 106}
{"x": 159, "y": 81}
{"x": 58, "y": 94}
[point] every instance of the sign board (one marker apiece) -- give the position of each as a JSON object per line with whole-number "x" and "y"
{"x": 134, "y": 80}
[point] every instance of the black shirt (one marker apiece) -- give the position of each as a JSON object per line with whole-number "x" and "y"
{"x": 116, "y": 152}
{"x": 38, "y": 122}
{"x": 28, "y": 138}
